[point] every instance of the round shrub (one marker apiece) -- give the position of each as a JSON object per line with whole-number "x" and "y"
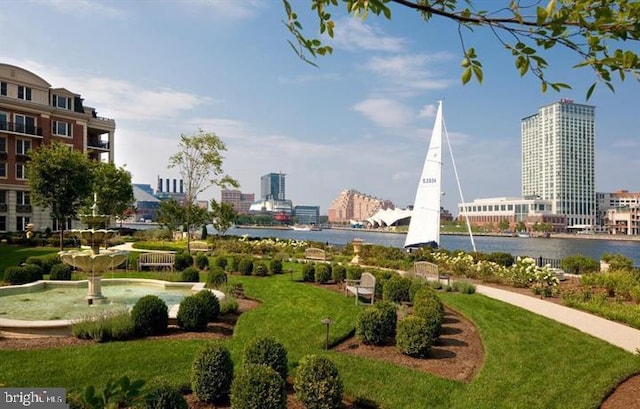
{"x": 275, "y": 266}
{"x": 183, "y": 260}
{"x": 339, "y": 273}
{"x": 190, "y": 275}
{"x": 216, "y": 277}
{"x": 192, "y": 314}
{"x": 323, "y": 273}
{"x": 317, "y": 383}
{"x": 202, "y": 261}
{"x": 308, "y": 272}
{"x": 60, "y": 272}
{"x": 414, "y": 337}
{"x": 267, "y": 351}
{"x": 232, "y": 264}
{"x": 260, "y": 269}
{"x": 354, "y": 272}
{"x": 376, "y": 325}
{"x": 15, "y": 275}
{"x": 396, "y": 289}
{"x": 161, "y": 394}
{"x": 212, "y": 373}
{"x": 245, "y": 266}
{"x": 211, "y": 303}
{"x": 33, "y": 272}
{"x": 220, "y": 261}
{"x": 150, "y": 315}
{"x": 258, "y": 387}
{"x": 428, "y": 306}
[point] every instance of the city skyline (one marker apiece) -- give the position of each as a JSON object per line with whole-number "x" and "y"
{"x": 360, "y": 121}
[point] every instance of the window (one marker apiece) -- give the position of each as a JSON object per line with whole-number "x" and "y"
{"x": 21, "y": 171}
{"x": 21, "y": 223}
{"x": 55, "y": 226}
{"x": 23, "y": 146}
{"x": 3, "y": 196}
{"x": 3, "y": 88}
{"x": 61, "y": 102}
{"x": 3, "y": 144}
{"x": 23, "y": 198}
{"x": 3, "y": 121}
{"x": 3, "y": 223}
{"x": 3, "y": 170}
{"x": 24, "y": 93}
{"x": 25, "y": 124}
{"x": 61, "y": 128}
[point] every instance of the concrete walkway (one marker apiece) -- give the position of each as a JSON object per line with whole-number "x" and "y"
{"x": 614, "y": 333}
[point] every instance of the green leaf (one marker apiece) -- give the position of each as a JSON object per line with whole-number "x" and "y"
{"x": 478, "y": 73}
{"x": 466, "y": 75}
{"x": 590, "y": 91}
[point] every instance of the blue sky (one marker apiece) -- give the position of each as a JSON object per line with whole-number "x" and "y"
{"x": 361, "y": 120}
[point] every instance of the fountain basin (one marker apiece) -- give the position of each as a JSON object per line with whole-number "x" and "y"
{"x": 49, "y": 308}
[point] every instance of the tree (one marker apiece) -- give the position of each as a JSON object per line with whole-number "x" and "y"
{"x": 586, "y": 28}
{"x": 199, "y": 218}
{"x": 113, "y": 188}
{"x": 60, "y": 179}
{"x": 224, "y": 215}
{"x": 504, "y": 224}
{"x": 200, "y": 164}
{"x": 520, "y": 226}
{"x": 170, "y": 214}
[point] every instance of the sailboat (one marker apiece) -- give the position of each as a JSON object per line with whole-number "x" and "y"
{"x": 424, "y": 227}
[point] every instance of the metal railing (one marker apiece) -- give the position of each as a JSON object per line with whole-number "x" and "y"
{"x": 21, "y": 128}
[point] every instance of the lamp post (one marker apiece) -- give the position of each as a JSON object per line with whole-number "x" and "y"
{"x": 327, "y": 321}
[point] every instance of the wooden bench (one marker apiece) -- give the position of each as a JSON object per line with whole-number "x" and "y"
{"x": 156, "y": 260}
{"x": 197, "y": 246}
{"x": 313, "y": 253}
{"x": 425, "y": 269}
{"x": 365, "y": 287}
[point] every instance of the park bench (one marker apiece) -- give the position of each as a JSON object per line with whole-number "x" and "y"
{"x": 156, "y": 260}
{"x": 365, "y": 286}
{"x": 313, "y": 253}
{"x": 199, "y": 246}
{"x": 425, "y": 269}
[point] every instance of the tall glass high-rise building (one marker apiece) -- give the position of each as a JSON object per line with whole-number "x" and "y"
{"x": 558, "y": 150}
{"x": 272, "y": 186}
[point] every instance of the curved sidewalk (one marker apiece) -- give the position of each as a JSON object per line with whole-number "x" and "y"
{"x": 614, "y": 333}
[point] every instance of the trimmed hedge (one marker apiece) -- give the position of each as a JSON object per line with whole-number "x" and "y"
{"x": 267, "y": 351}
{"x": 183, "y": 260}
{"x": 60, "y": 272}
{"x": 396, "y": 289}
{"x": 308, "y": 272}
{"x": 258, "y": 387}
{"x": 202, "y": 261}
{"x": 260, "y": 269}
{"x": 245, "y": 266}
{"x": 377, "y": 325}
{"x": 161, "y": 394}
{"x": 275, "y": 266}
{"x": 211, "y": 304}
{"x": 317, "y": 383}
{"x": 322, "y": 273}
{"x": 192, "y": 314}
{"x": 28, "y": 273}
{"x": 415, "y": 337}
{"x": 428, "y": 306}
{"x": 216, "y": 277}
{"x": 190, "y": 275}
{"x": 212, "y": 373}
{"x": 339, "y": 273}
{"x": 150, "y": 315}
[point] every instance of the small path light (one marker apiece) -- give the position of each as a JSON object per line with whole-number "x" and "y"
{"x": 327, "y": 321}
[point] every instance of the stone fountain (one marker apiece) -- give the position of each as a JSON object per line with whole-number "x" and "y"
{"x": 94, "y": 261}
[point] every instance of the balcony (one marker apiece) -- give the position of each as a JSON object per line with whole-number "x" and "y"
{"x": 21, "y": 128}
{"x": 23, "y": 208}
{"x": 104, "y": 145}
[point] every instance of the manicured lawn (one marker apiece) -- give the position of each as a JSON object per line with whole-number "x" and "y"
{"x": 530, "y": 361}
{"x": 11, "y": 255}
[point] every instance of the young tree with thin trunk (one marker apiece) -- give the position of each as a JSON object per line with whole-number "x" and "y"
{"x": 60, "y": 179}
{"x": 113, "y": 188}
{"x": 200, "y": 164}
{"x": 224, "y": 215}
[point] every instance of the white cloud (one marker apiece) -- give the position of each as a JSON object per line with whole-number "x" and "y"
{"x": 428, "y": 111}
{"x": 410, "y": 71}
{"x": 83, "y": 7}
{"x": 354, "y": 35}
{"x": 384, "y": 112}
{"x": 309, "y": 78}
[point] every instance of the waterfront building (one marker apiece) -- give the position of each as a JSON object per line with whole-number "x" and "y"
{"x": 241, "y": 202}
{"x": 494, "y": 211}
{"x": 146, "y": 204}
{"x": 618, "y": 199}
{"x": 353, "y": 205}
{"x": 558, "y": 160}
{"x": 171, "y": 189}
{"x": 623, "y": 220}
{"x": 307, "y": 214}
{"x": 32, "y": 114}
{"x": 272, "y": 186}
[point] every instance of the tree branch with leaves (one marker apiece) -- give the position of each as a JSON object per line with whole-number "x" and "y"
{"x": 604, "y": 34}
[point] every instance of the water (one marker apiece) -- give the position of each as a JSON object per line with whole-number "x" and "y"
{"x": 64, "y": 302}
{"x": 555, "y": 248}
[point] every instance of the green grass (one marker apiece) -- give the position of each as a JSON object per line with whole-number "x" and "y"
{"x": 12, "y": 255}
{"x": 530, "y": 361}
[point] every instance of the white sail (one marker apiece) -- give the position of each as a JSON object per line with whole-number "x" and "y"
{"x": 424, "y": 228}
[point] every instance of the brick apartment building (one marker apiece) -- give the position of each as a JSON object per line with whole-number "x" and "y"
{"x": 32, "y": 113}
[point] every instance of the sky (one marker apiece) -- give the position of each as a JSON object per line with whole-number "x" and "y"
{"x": 360, "y": 120}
